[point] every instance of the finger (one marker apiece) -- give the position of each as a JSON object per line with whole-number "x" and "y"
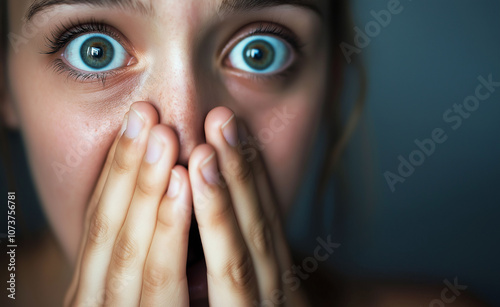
{"x": 164, "y": 281}
{"x": 230, "y": 272}
{"x": 125, "y": 272}
{"x": 269, "y": 203}
{"x": 94, "y": 199}
{"x": 221, "y": 132}
{"x": 272, "y": 213}
{"x": 112, "y": 207}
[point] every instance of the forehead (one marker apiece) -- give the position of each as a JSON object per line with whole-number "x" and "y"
{"x": 152, "y": 7}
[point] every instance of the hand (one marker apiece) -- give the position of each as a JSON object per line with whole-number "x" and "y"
{"x": 135, "y": 241}
{"x": 244, "y": 244}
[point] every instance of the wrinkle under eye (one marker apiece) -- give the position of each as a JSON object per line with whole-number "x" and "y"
{"x": 261, "y": 55}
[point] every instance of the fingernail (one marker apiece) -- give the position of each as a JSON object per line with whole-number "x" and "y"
{"x": 155, "y": 149}
{"x": 175, "y": 184}
{"x": 229, "y": 131}
{"x": 209, "y": 169}
{"x": 134, "y": 124}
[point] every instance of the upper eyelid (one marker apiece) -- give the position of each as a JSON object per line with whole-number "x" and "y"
{"x": 60, "y": 66}
{"x": 256, "y": 28}
{"x": 248, "y": 31}
{"x": 55, "y": 43}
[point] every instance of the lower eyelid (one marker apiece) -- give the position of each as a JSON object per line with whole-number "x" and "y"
{"x": 71, "y": 53}
{"x": 281, "y": 75}
{"x": 291, "y": 55}
{"x": 59, "y": 67}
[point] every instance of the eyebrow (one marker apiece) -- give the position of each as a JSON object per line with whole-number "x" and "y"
{"x": 42, "y": 5}
{"x": 234, "y": 6}
{"x": 226, "y": 7}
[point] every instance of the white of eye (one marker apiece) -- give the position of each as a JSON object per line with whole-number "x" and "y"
{"x": 282, "y": 55}
{"x": 72, "y": 53}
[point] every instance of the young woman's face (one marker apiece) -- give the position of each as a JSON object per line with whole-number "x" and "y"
{"x": 75, "y": 69}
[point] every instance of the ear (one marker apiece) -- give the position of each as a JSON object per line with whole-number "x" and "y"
{"x": 8, "y": 114}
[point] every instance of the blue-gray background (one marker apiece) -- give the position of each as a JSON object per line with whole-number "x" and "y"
{"x": 442, "y": 222}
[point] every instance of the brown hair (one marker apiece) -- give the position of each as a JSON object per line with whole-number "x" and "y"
{"x": 337, "y": 134}
{"x": 5, "y": 151}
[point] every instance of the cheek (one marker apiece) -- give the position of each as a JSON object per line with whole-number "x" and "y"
{"x": 285, "y": 123}
{"x": 66, "y": 144}
{"x": 286, "y": 138}
{"x": 65, "y": 152}
{"x": 65, "y": 164}
{"x": 285, "y": 133}
{"x": 65, "y": 173}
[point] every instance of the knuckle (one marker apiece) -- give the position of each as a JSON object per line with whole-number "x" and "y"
{"x": 145, "y": 187}
{"x": 98, "y": 229}
{"x": 155, "y": 278}
{"x": 260, "y": 237}
{"x": 242, "y": 171}
{"x": 94, "y": 299}
{"x": 125, "y": 252}
{"x": 124, "y": 160}
{"x": 239, "y": 272}
{"x": 121, "y": 167}
{"x": 218, "y": 217}
{"x": 116, "y": 285}
{"x": 165, "y": 219}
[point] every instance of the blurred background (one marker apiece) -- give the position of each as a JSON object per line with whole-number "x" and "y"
{"x": 443, "y": 221}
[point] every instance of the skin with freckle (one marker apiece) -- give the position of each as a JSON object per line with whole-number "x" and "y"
{"x": 177, "y": 61}
{"x": 68, "y": 126}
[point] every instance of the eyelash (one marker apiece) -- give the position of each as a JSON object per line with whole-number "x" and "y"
{"x": 278, "y": 31}
{"x": 64, "y": 34}
{"x": 60, "y": 67}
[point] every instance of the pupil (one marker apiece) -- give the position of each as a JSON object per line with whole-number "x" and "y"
{"x": 97, "y": 52}
{"x": 259, "y": 54}
{"x": 256, "y": 54}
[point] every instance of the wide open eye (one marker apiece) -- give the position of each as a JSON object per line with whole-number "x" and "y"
{"x": 95, "y": 52}
{"x": 261, "y": 54}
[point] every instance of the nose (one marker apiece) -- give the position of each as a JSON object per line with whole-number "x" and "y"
{"x": 173, "y": 91}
